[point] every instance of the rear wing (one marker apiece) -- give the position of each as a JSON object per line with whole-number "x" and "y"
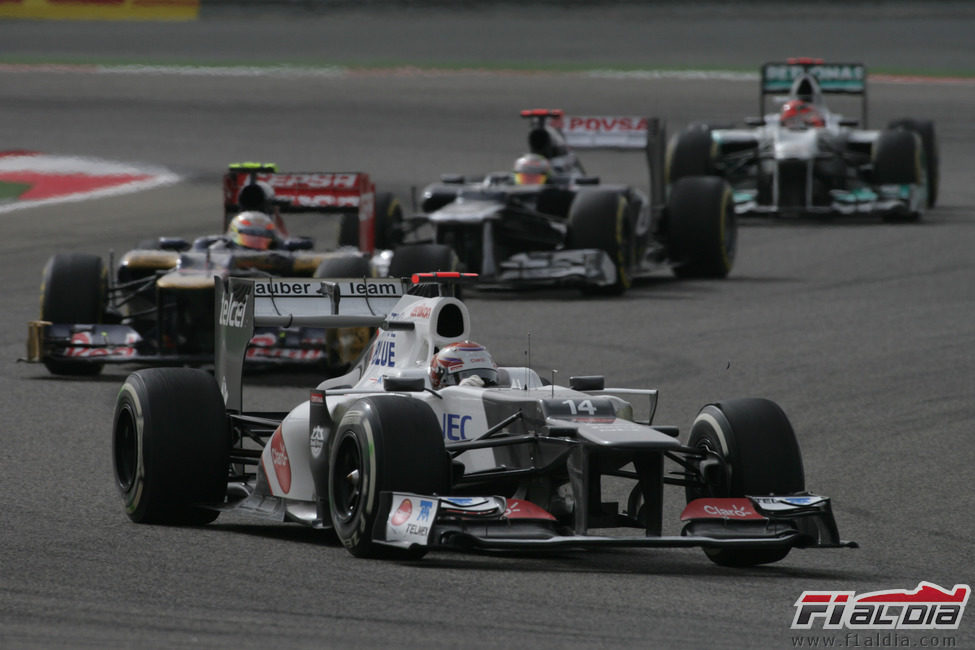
{"x": 782, "y": 78}
{"x": 833, "y": 78}
{"x": 606, "y": 131}
{"x": 242, "y": 304}
{"x": 619, "y": 132}
{"x": 330, "y": 192}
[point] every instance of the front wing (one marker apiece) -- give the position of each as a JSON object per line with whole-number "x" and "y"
{"x": 495, "y": 523}
{"x": 115, "y": 344}
{"x": 886, "y": 200}
{"x": 579, "y": 267}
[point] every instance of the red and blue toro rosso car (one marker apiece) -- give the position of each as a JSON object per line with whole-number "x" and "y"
{"x": 428, "y": 444}
{"x": 155, "y": 306}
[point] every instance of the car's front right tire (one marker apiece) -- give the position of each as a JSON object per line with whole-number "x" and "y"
{"x": 383, "y": 443}
{"x": 759, "y": 455}
{"x": 702, "y": 227}
{"x": 74, "y": 289}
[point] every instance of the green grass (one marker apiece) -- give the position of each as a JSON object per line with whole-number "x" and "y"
{"x": 12, "y": 190}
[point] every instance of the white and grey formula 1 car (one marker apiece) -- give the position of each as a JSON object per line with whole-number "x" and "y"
{"x": 804, "y": 159}
{"x": 395, "y": 466}
{"x": 566, "y": 228}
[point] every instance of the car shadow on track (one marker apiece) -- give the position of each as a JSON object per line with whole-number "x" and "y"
{"x": 663, "y": 562}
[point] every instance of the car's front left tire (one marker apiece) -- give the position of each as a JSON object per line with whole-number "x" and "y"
{"x": 170, "y": 446}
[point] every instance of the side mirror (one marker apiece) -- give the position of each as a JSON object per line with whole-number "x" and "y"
{"x": 173, "y": 244}
{"x": 586, "y": 180}
{"x": 587, "y": 382}
{"x": 299, "y": 244}
{"x": 403, "y": 384}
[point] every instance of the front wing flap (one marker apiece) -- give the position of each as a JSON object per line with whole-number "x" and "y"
{"x": 113, "y": 343}
{"x": 494, "y": 523}
{"x": 585, "y": 267}
{"x": 876, "y": 200}
{"x": 86, "y": 343}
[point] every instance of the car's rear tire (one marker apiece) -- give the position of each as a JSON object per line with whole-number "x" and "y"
{"x": 382, "y": 443}
{"x": 760, "y": 455}
{"x": 598, "y": 219}
{"x": 422, "y": 258}
{"x": 929, "y": 143}
{"x": 170, "y": 446}
{"x": 74, "y": 289}
{"x": 388, "y": 227}
{"x": 702, "y": 227}
{"x": 689, "y": 153}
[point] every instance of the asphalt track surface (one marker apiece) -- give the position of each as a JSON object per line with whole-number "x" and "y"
{"x": 862, "y": 331}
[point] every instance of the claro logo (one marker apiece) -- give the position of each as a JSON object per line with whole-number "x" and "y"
{"x": 733, "y": 511}
{"x": 232, "y": 311}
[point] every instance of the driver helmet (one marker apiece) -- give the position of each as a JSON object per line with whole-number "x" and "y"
{"x": 253, "y": 229}
{"x": 797, "y": 113}
{"x": 465, "y": 363}
{"x": 532, "y": 169}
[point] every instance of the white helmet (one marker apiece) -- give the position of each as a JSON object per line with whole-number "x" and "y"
{"x": 459, "y": 361}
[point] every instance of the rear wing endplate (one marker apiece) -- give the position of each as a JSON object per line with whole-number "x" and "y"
{"x": 242, "y": 304}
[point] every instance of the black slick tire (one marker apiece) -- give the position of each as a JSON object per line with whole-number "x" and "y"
{"x": 422, "y": 258}
{"x": 897, "y": 159}
{"x": 598, "y": 219}
{"x": 344, "y": 266}
{"x": 382, "y": 443}
{"x": 760, "y": 456}
{"x": 388, "y": 226}
{"x": 929, "y": 143}
{"x": 689, "y": 153}
{"x": 170, "y": 446}
{"x": 702, "y": 227}
{"x": 74, "y": 289}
